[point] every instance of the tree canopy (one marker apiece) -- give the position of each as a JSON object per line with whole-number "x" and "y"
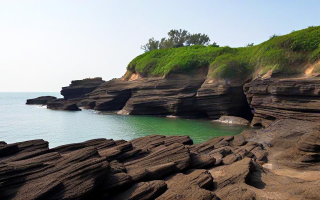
{"x": 177, "y": 38}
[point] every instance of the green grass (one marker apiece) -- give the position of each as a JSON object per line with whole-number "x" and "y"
{"x": 281, "y": 53}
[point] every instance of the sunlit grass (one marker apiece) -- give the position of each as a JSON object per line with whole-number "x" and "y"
{"x": 282, "y": 53}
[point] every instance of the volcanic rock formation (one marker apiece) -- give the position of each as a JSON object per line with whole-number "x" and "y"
{"x": 40, "y": 100}
{"x": 279, "y": 162}
{"x": 189, "y": 94}
{"x": 77, "y": 89}
{"x": 61, "y": 104}
{"x": 295, "y": 98}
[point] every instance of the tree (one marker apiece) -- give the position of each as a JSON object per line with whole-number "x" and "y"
{"x": 214, "y": 44}
{"x": 273, "y": 36}
{"x": 250, "y": 45}
{"x": 198, "y": 39}
{"x": 165, "y": 43}
{"x": 178, "y": 38}
{"x": 151, "y": 45}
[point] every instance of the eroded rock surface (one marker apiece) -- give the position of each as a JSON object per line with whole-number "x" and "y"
{"x": 191, "y": 95}
{"x": 279, "y": 162}
{"x": 79, "y": 88}
{"x": 273, "y": 99}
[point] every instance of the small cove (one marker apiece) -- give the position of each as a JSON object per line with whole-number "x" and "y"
{"x": 20, "y": 122}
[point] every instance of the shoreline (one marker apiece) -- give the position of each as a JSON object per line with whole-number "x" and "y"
{"x": 228, "y": 167}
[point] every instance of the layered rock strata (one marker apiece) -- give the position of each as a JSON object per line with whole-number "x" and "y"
{"x": 185, "y": 95}
{"x": 79, "y": 88}
{"x": 43, "y": 100}
{"x": 272, "y": 98}
{"x": 61, "y": 104}
{"x": 280, "y": 162}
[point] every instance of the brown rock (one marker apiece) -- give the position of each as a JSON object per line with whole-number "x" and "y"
{"x": 142, "y": 191}
{"x": 176, "y": 153}
{"x": 273, "y": 99}
{"x": 195, "y": 185}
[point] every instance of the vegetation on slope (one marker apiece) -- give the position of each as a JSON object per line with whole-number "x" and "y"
{"x": 284, "y": 53}
{"x": 176, "y": 38}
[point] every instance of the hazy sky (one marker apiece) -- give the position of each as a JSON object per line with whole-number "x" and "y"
{"x": 44, "y": 44}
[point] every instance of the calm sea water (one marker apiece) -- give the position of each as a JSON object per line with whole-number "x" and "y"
{"x": 20, "y": 122}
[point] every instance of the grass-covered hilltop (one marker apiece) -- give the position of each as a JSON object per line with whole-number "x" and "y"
{"x": 288, "y": 54}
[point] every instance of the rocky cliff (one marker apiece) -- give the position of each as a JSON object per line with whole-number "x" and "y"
{"x": 196, "y": 95}
{"x": 284, "y": 98}
{"x": 189, "y": 94}
{"x": 78, "y": 88}
{"x": 210, "y": 82}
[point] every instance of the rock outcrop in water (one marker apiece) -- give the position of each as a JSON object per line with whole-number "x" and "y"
{"x": 43, "y": 100}
{"x": 62, "y": 104}
{"x": 73, "y": 94}
{"x": 79, "y": 88}
{"x": 280, "y": 162}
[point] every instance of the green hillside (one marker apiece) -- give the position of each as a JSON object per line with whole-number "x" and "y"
{"x": 285, "y": 54}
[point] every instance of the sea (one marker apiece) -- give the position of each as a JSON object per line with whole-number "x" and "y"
{"x": 21, "y": 122}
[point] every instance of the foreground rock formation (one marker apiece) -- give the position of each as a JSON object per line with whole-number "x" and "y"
{"x": 280, "y": 162}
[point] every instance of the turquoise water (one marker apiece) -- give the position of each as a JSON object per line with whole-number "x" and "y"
{"x": 20, "y": 122}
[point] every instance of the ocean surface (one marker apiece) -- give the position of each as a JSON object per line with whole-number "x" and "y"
{"x": 20, "y": 122}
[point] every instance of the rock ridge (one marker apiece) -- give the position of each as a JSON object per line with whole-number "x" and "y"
{"x": 279, "y": 162}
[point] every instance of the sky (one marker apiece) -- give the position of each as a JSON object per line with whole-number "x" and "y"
{"x": 44, "y": 44}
